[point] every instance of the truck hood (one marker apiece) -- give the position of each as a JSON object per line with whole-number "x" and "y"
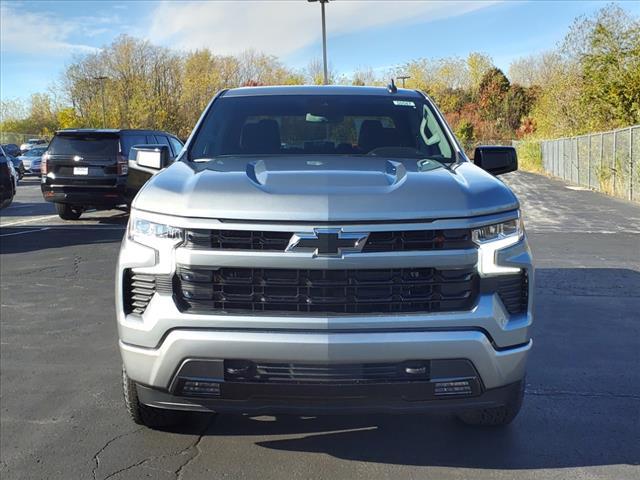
{"x": 324, "y": 189}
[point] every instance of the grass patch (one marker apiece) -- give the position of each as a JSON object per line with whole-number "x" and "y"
{"x": 530, "y": 156}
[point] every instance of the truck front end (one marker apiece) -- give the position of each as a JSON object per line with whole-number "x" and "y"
{"x": 326, "y": 283}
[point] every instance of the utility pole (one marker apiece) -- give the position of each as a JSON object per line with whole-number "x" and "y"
{"x": 102, "y": 79}
{"x": 324, "y": 39}
{"x": 403, "y": 78}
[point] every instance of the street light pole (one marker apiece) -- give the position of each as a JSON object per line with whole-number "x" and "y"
{"x": 403, "y": 78}
{"x": 324, "y": 39}
{"x": 101, "y": 79}
{"x": 324, "y": 44}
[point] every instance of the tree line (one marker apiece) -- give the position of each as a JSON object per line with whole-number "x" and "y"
{"x": 590, "y": 82}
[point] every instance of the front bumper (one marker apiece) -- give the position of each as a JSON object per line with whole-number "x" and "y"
{"x": 156, "y": 367}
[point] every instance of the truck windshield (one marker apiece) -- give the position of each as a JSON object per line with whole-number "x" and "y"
{"x": 392, "y": 126}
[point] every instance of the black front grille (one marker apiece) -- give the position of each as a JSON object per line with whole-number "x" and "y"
{"x": 412, "y": 240}
{"x": 514, "y": 292}
{"x": 325, "y": 291}
{"x": 408, "y": 240}
{"x": 238, "y": 239}
{"x": 335, "y": 374}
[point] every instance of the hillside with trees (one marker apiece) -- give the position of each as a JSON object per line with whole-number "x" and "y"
{"x": 590, "y": 82}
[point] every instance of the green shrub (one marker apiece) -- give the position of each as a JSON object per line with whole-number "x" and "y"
{"x": 529, "y": 156}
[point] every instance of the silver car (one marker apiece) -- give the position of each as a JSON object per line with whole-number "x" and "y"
{"x": 32, "y": 159}
{"x": 32, "y": 142}
{"x": 320, "y": 250}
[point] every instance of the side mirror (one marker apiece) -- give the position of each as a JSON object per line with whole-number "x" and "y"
{"x": 496, "y": 159}
{"x": 155, "y": 157}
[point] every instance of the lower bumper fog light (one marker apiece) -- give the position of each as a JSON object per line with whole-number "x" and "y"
{"x": 457, "y": 387}
{"x": 199, "y": 387}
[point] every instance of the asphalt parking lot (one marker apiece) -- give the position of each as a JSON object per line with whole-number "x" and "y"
{"x": 61, "y": 407}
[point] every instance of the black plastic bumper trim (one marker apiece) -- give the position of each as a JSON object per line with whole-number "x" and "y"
{"x": 307, "y": 406}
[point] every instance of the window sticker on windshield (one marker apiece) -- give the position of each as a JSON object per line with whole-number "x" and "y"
{"x": 404, "y": 103}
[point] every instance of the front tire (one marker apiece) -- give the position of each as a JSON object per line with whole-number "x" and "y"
{"x": 143, "y": 414}
{"x": 6, "y": 202}
{"x": 495, "y": 416}
{"x": 67, "y": 212}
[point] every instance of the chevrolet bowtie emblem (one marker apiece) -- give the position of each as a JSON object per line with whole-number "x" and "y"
{"x": 327, "y": 242}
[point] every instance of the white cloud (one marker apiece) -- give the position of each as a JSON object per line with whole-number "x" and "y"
{"x": 24, "y": 32}
{"x": 282, "y": 27}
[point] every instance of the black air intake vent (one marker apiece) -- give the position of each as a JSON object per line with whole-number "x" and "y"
{"x": 138, "y": 290}
{"x": 329, "y": 374}
{"x": 514, "y": 292}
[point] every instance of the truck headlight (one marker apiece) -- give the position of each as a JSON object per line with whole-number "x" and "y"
{"x": 511, "y": 230}
{"x": 492, "y": 238}
{"x": 152, "y": 234}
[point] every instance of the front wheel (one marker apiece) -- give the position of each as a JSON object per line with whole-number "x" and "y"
{"x": 143, "y": 414}
{"x": 68, "y": 212}
{"x": 495, "y": 416}
{"x": 6, "y": 202}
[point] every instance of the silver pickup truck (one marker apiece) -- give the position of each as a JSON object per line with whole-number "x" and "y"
{"x": 324, "y": 250}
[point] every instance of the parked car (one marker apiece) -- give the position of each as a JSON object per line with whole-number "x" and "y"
{"x": 88, "y": 168}
{"x": 11, "y": 149}
{"x": 321, "y": 250}
{"x": 18, "y": 166}
{"x": 32, "y": 159}
{"x": 32, "y": 142}
{"x": 8, "y": 180}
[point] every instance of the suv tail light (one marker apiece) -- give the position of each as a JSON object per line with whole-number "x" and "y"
{"x": 43, "y": 164}
{"x": 123, "y": 165}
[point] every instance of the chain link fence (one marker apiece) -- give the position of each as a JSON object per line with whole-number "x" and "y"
{"x": 608, "y": 162}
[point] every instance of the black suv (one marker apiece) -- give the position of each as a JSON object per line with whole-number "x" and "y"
{"x": 89, "y": 168}
{"x": 7, "y": 180}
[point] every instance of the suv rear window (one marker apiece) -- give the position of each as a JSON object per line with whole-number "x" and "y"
{"x": 84, "y": 145}
{"x": 132, "y": 140}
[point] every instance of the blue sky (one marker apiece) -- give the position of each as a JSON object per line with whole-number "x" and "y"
{"x": 39, "y": 38}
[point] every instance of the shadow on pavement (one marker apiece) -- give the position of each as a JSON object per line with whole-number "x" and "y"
{"x": 28, "y": 209}
{"x": 442, "y": 441}
{"x": 35, "y": 238}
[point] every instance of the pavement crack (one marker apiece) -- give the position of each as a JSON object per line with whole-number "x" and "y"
{"x": 572, "y": 393}
{"x": 76, "y": 265}
{"x": 129, "y": 467}
{"x": 194, "y": 446}
{"x": 144, "y": 461}
{"x": 96, "y": 456}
